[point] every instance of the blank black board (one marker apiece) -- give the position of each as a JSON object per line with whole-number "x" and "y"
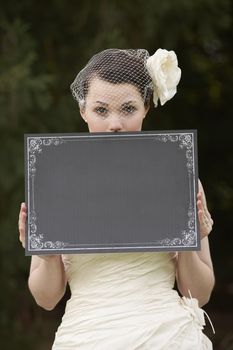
{"x": 111, "y": 192}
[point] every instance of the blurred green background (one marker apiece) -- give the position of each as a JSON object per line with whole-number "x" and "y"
{"x": 43, "y": 45}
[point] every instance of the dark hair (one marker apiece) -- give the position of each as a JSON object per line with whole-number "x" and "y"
{"x": 115, "y": 66}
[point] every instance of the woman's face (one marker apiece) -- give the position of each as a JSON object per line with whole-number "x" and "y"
{"x": 113, "y": 107}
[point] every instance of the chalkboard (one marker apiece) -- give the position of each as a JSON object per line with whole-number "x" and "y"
{"x": 111, "y": 192}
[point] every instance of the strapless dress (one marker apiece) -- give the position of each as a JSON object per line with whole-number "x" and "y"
{"x": 126, "y": 301}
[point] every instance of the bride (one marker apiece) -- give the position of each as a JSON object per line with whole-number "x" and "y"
{"x": 127, "y": 301}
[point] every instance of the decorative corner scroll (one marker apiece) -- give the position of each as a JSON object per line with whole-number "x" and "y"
{"x": 188, "y": 239}
{"x": 36, "y": 145}
{"x": 185, "y": 141}
{"x": 37, "y": 242}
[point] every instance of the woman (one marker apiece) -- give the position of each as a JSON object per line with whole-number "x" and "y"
{"x": 126, "y": 301}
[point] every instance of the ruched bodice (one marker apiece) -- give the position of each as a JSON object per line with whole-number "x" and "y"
{"x": 120, "y": 275}
{"x": 126, "y": 301}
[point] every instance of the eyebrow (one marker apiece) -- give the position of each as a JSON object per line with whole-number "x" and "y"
{"x": 128, "y": 102}
{"x": 123, "y": 104}
{"x": 102, "y": 103}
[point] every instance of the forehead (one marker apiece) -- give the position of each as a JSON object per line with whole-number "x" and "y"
{"x": 100, "y": 90}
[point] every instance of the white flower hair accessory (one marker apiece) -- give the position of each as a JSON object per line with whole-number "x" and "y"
{"x": 165, "y": 74}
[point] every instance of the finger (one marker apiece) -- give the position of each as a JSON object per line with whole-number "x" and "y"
{"x": 210, "y": 220}
{"x": 203, "y": 218}
{"x": 202, "y": 205}
{"x": 200, "y": 216}
{"x": 22, "y": 242}
{"x": 21, "y": 212}
{"x": 203, "y": 199}
{"x": 199, "y": 195}
{"x": 21, "y": 223}
{"x": 205, "y": 224}
{"x": 199, "y": 204}
{"x": 23, "y": 207}
{"x": 207, "y": 213}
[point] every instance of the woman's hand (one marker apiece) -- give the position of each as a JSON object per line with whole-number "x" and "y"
{"x": 205, "y": 220}
{"x": 194, "y": 268}
{"x": 22, "y": 226}
{"x": 22, "y": 223}
{"x": 47, "y": 280}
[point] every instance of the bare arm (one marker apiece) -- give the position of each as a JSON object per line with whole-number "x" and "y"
{"x": 47, "y": 280}
{"x": 194, "y": 269}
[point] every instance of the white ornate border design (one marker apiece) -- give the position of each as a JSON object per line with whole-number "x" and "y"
{"x": 187, "y": 238}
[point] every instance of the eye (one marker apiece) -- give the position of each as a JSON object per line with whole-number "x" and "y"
{"x": 128, "y": 109}
{"x": 102, "y": 111}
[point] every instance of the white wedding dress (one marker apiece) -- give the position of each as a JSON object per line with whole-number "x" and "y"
{"x": 126, "y": 301}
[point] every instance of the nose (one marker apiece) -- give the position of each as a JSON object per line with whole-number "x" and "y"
{"x": 115, "y": 124}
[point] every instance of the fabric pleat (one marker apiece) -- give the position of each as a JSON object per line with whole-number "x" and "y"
{"x": 126, "y": 301}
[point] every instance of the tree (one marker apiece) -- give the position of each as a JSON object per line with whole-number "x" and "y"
{"x": 58, "y": 37}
